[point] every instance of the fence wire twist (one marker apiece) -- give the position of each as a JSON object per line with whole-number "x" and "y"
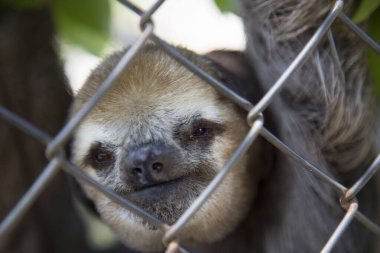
{"x": 255, "y": 119}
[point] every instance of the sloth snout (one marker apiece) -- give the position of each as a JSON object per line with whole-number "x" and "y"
{"x": 148, "y": 165}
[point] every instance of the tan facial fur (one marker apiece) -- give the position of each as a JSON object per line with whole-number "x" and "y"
{"x": 151, "y": 102}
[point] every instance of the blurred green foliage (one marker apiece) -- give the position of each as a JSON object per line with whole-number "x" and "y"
{"x": 374, "y": 58}
{"x": 369, "y": 10}
{"x": 85, "y": 23}
{"x": 365, "y": 9}
{"x": 228, "y": 6}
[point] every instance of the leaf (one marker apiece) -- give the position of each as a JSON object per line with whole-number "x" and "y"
{"x": 83, "y": 22}
{"x": 365, "y": 9}
{"x": 228, "y": 6}
{"x": 374, "y": 58}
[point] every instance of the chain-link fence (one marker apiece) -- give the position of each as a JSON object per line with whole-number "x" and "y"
{"x": 55, "y": 146}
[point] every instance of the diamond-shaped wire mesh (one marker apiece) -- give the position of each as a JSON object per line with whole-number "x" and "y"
{"x": 255, "y": 119}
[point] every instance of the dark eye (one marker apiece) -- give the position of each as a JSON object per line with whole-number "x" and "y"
{"x": 102, "y": 157}
{"x": 200, "y": 132}
{"x": 202, "y": 129}
{"x": 197, "y": 132}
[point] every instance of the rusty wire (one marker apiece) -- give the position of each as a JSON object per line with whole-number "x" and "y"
{"x": 54, "y": 150}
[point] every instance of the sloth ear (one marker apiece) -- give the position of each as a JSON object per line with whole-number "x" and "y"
{"x": 234, "y": 70}
{"x": 233, "y": 61}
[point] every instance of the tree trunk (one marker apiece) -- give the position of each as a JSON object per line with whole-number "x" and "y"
{"x": 32, "y": 85}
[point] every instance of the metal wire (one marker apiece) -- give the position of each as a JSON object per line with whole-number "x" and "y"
{"x": 363, "y": 180}
{"x": 240, "y": 151}
{"x": 358, "y": 31}
{"x": 77, "y": 173}
{"x": 74, "y": 122}
{"x": 341, "y": 228}
{"x": 57, "y": 160}
{"x": 24, "y": 126}
{"x": 29, "y": 197}
{"x": 219, "y": 86}
{"x": 310, "y": 167}
{"x": 297, "y": 62}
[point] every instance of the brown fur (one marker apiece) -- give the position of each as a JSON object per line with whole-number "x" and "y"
{"x": 326, "y": 112}
{"x": 150, "y": 98}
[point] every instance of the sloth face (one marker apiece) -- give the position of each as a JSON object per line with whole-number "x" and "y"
{"x": 157, "y": 138}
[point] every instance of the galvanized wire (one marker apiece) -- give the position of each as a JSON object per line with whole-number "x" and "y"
{"x": 55, "y": 146}
{"x": 244, "y": 146}
{"x": 173, "y": 52}
{"x": 24, "y": 126}
{"x": 80, "y": 175}
{"x": 297, "y": 62}
{"x": 74, "y": 122}
{"x": 341, "y": 228}
{"x": 360, "y": 32}
{"x": 29, "y": 197}
{"x": 363, "y": 180}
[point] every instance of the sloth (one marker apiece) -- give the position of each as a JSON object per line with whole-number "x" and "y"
{"x": 161, "y": 134}
{"x": 158, "y": 137}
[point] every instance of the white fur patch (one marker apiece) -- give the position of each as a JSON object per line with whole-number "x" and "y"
{"x": 86, "y": 135}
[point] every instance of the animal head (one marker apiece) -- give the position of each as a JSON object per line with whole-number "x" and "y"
{"x": 157, "y": 138}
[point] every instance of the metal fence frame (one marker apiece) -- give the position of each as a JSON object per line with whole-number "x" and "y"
{"x": 55, "y": 146}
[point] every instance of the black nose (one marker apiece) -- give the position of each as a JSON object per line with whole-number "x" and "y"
{"x": 147, "y": 165}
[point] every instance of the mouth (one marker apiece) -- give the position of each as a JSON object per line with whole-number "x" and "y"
{"x": 166, "y": 200}
{"x": 159, "y": 188}
{"x": 160, "y": 193}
